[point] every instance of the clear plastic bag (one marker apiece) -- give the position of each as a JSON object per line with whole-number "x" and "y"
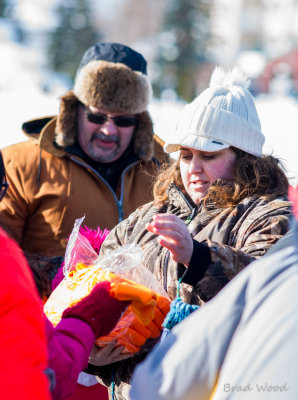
{"x": 78, "y": 250}
{"x": 124, "y": 261}
{"x": 81, "y": 277}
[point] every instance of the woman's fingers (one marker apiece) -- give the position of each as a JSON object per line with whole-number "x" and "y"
{"x": 108, "y": 354}
{"x": 162, "y": 223}
{"x": 173, "y": 235}
{"x": 172, "y": 231}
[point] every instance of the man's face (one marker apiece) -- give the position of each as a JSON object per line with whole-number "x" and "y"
{"x": 107, "y": 141}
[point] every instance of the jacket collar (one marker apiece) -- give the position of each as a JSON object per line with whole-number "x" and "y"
{"x": 42, "y": 132}
{"x": 178, "y": 199}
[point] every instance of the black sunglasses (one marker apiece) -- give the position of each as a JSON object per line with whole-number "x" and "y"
{"x": 3, "y": 183}
{"x": 101, "y": 119}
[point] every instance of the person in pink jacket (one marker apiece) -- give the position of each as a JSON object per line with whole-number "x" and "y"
{"x": 71, "y": 341}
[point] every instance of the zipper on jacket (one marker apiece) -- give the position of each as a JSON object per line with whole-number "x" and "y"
{"x": 191, "y": 216}
{"x": 119, "y": 202}
{"x": 120, "y": 210}
{"x": 165, "y": 270}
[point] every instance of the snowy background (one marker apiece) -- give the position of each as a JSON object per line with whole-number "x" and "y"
{"x": 21, "y": 96}
{"x": 22, "y": 100}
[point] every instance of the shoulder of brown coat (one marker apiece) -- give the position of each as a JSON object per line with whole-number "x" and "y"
{"x": 142, "y": 211}
{"x": 25, "y": 156}
{"x": 159, "y": 152}
{"x": 263, "y": 203}
{"x": 42, "y": 132}
{"x": 276, "y": 212}
{"x": 279, "y": 203}
{"x": 19, "y": 151}
{"x": 275, "y": 206}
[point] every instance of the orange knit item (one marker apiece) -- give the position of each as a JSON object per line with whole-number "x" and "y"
{"x": 143, "y": 300}
{"x": 131, "y": 333}
{"x": 142, "y": 319}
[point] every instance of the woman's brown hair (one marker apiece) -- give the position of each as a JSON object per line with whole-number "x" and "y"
{"x": 252, "y": 176}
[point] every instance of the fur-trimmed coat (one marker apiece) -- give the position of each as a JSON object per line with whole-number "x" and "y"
{"x": 235, "y": 237}
{"x": 49, "y": 188}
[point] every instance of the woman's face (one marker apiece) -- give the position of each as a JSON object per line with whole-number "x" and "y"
{"x": 199, "y": 169}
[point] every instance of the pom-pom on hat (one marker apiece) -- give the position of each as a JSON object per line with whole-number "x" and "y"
{"x": 113, "y": 77}
{"x": 221, "y": 116}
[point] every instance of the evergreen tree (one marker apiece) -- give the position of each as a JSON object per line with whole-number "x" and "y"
{"x": 73, "y": 35}
{"x": 3, "y": 5}
{"x": 182, "y": 45}
{"x": 7, "y": 8}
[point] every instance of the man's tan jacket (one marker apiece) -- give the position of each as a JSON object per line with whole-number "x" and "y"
{"x": 49, "y": 189}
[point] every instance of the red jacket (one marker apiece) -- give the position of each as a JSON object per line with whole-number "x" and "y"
{"x": 23, "y": 350}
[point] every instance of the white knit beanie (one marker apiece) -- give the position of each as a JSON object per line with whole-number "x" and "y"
{"x": 221, "y": 116}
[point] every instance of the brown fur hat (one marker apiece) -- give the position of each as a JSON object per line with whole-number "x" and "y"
{"x": 111, "y": 77}
{"x": 113, "y": 87}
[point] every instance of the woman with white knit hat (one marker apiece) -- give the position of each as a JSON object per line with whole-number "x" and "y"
{"x": 221, "y": 205}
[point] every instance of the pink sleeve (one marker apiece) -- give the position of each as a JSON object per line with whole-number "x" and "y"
{"x": 69, "y": 347}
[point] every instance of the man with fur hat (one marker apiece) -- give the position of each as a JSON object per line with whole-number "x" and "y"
{"x": 96, "y": 158}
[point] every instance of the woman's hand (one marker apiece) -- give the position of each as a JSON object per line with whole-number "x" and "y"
{"x": 108, "y": 354}
{"x": 173, "y": 235}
